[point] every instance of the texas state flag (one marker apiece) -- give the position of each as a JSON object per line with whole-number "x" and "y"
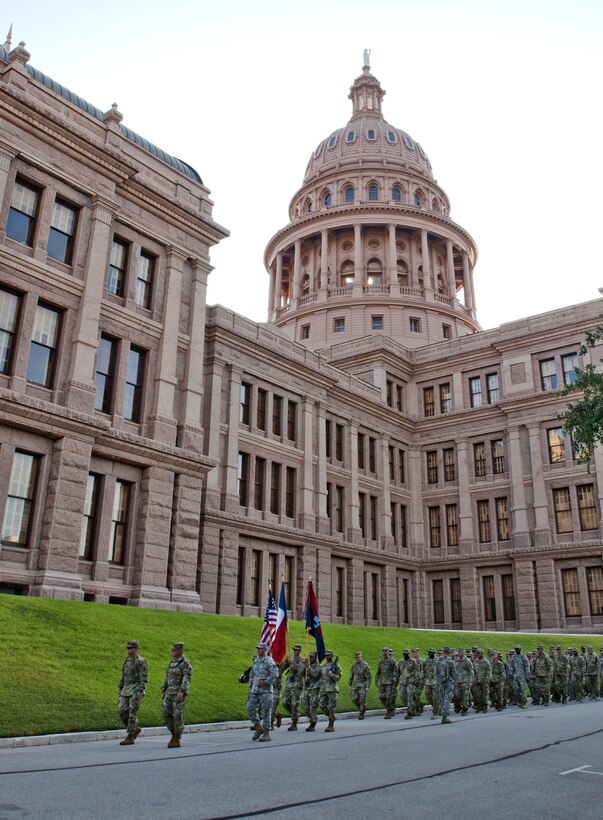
{"x": 279, "y": 641}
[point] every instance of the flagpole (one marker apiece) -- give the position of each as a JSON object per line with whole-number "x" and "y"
{"x": 305, "y": 606}
{"x": 288, "y": 638}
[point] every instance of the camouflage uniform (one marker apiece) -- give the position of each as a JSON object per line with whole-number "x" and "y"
{"x": 497, "y": 682}
{"x": 294, "y": 684}
{"x": 359, "y": 682}
{"x": 414, "y": 686}
{"x": 445, "y": 675}
{"x": 592, "y": 674}
{"x": 404, "y": 667}
{"x": 311, "y": 693}
{"x": 331, "y": 673}
{"x": 431, "y": 683}
{"x": 559, "y": 686}
{"x": 131, "y": 689}
{"x": 542, "y": 673}
{"x": 177, "y": 682}
{"x": 483, "y": 674}
{"x": 465, "y": 675}
{"x": 576, "y": 680}
{"x": 264, "y": 672}
{"x": 520, "y": 672}
{"x": 385, "y": 681}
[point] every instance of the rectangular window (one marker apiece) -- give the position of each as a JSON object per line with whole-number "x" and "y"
{"x": 377, "y": 322}
{"x": 406, "y": 600}
{"x": 261, "y": 410}
{"x": 452, "y": 525}
{"x": 483, "y": 517}
{"x": 502, "y": 518}
{"x": 23, "y": 213}
{"x": 438, "y": 601}
{"x": 508, "y": 591}
{"x": 275, "y": 488}
{"x": 587, "y": 506}
{"x": 548, "y": 374}
{"x": 594, "y": 581}
{"x": 475, "y": 391}
{"x": 373, "y": 517}
{"x": 479, "y": 459}
{"x": 435, "y": 532}
{"x": 305, "y": 331}
{"x": 432, "y": 466}
{"x": 243, "y": 479}
{"x": 361, "y": 445}
{"x": 372, "y": 447}
{"x": 43, "y": 349}
{"x": 339, "y": 442}
{"x": 498, "y": 456}
{"x": 563, "y": 509}
{"x": 339, "y": 502}
{"x": 362, "y": 513}
{"x": 393, "y": 517}
{"x": 445, "y": 399}
{"x": 245, "y": 403}
{"x": 241, "y": 577}
{"x": 399, "y": 398}
{"x": 9, "y": 316}
{"x": 134, "y": 382}
{"x": 20, "y": 499}
{"x": 330, "y": 501}
{"x": 288, "y": 579}
{"x": 259, "y": 483}
{"x": 328, "y": 438}
{"x": 428, "y": 402}
{"x": 105, "y": 369}
{"x": 277, "y": 415}
{"x": 144, "y": 280}
{"x": 89, "y": 518}
{"x": 456, "y": 609}
{"x": 389, "y": 396}
{"x": 62, "y": 232}
{"x": 449, "y": 465}
{"x": 492, "y": 390}
{"x": 403, "y": 527}
{"x": 401, "y": 466}
{"x": 273, "y": 569}
{"x": 290, "y": 485}
{"x": 556, "y": 445}
{"x": 119, "y": 522}
{"x": 447, "y": 331}
{"x": 571, "y": 593}
{"x": 254, "y": 577}
{"x": 339, "y": 587}
{"x": 568, "y": 366}
{"x": 291, "y": 420}
{"x": 339, "y": 325}
{"x": 392, "y": 463}
{"x": 489, "y": 598}
{"x": 415, "y": 325}
{"x": 116, "y": 274}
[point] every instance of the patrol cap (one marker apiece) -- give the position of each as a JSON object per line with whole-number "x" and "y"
{"x": 558, "y": 647}
{"x": 328, "y": 651}
{"x": 474, "y": 649}
{"x": 479, "y": 651}
{"x": 431, "y": 649}
{"x": 297, "y": 646}
{"x": 540, "y": 646}
{"x": 551, "y": 647}
{"x": 446, "y": 649}
{"x": 589, "y": 646}
{"x": 313, "y": 653}
{"x": 262, "y": 646}
{"x": 407, "y": 651}
{"x": 132, "y": 645}
{"x": 518, "y": 646}
{"x": 358, "y": 654}
{"x": 385, "y": 649}
{"x": 177, "y": 646}
{"x": 416, "y": 649}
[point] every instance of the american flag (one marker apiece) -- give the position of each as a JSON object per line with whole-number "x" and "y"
{"x": 269, "y": 624}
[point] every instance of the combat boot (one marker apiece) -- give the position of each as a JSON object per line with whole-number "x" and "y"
{"x": 330, "y": 727}
{"x": 388, "y": 715}
{"x": 265, "y": 737}
{"x": 293, "y": 727}
{"x": 279, "y": 720}
{"x": 258, "y": 732}
{"x": 310, "y": 728}
{"x": 127, "y": 741}
{"x": 446, "y": 720}
{"x": 408, "y": 716}
{"x": 137, "y": 731}
{"x": 361, "y": 715}
{"x": 174, "y": 742}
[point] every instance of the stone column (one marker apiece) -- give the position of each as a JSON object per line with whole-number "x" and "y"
{"x": 520, "y": 529}
{"x": 525, "y": 602}
{"x": 57, "y": 559}
{"x": 550, "y": 606}
{"x": 425, "y": 261}
{"x": 278, "y": 290}
{"x": 386, "y": 529}
{"x": 307, "y": 519}
{"x": 470, "y": 597}
{"x": 230, "y": 501}
{"x": 297, "y": 269}
{"x": 416, "y": 532}
{"x": 392, "y": 254}
{"x": 80, "y": 388}
{"x": 389, "y": 598}
{"x": 358, "y": 255}
{"x": 355, "y": 591}
{"x": 542, "y": 531}
{"x": 190, "y": 432}
{"x": 323, "y": 586}
{"x": 467, "y": 283}
{"x": 212, "y": 417}
{"x": 324, "y": 259}
{"x": 271, "y": 291}
{"x": 323, "y": 521}
{"x": 467, "y": 535}
{"x": 184, "y": 543}
{"x": 354, "y": 534}
{"x": 450, "y": 269}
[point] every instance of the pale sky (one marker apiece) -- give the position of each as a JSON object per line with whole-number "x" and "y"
{"x": 505, "y": 98}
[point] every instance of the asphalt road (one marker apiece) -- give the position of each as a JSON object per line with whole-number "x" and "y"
{"x": 541, "y": 762}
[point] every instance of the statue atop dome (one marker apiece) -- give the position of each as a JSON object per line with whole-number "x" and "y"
{"x": 367, "y": 59}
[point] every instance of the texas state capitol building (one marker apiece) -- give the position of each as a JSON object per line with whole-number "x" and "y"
{"x": 158, "y": 452}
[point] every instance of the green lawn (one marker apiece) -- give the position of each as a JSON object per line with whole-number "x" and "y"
{"x": 60, "y": 661}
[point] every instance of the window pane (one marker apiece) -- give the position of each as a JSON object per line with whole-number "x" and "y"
{"x": 17, "y": 514}
{"x": 563, "y": 511}
{"x": 594, "y": 580}
{"x": 587, "y": 507}
{"x": 571, "y": 592}
{"x": 9, "y": 304}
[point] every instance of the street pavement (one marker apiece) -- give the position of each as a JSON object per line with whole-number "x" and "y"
{"x": 540, "y": 762}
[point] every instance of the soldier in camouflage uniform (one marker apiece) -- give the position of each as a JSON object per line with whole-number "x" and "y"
{"x": 174, "y": 691}
{"x": 465, "y": 676}
{"x": 385, "y": 681}
{"x": 264, "y": 672}
{"x": 131, "y": 689}
{"x": 431, "y": 682}
{"x": 576, "y": 680}
{"x": 331, "y": 673}
{"x": 414, "y": 687}
{"x": 592, "y": 674}
{"x": 481, "y": 685}
{"x": 294, "y": 684}
{"x": 311, "y": 693}
{"x": 404, "y": 667}
{"x": 520, "y": 673}
{"x": 559, "y": 686}
{"x": 445, "y": 675}
{"x": 542, "y": 674}
{"x": 359, "y": 682}
{"x": 497, "y": 682}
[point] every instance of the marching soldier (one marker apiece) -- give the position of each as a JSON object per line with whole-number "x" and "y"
{"x": 294, "y": 684}
{"x": 331, "y": 673}
{"x": 385, "y": 681}
{"x": 131, "y": 690}
{"x": 359, "y": 682}
{"x": 311, "y": 693}
{"x": 174, "y": 692}
{"x": 591, "y": 674}
{"x": 431, "y": 683}
{"x": 463, "y": 684}
{"x": 264, "y": 672}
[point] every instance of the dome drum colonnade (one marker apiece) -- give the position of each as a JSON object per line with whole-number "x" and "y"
{"x": 390, "y": 253}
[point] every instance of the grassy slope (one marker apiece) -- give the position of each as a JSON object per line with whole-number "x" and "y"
{"x": 60, "y": 661}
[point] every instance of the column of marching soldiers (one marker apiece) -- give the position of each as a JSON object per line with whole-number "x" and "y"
{"x": 456, "y": 679}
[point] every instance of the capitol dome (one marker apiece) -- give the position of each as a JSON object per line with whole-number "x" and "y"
{"x": 396, "y": 263}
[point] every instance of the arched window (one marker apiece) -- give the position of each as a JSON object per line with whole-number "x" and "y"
{"x": 328, "y": 199}
{"x": 396, "y": 194}
{"x": 435, "y": 205}
{"x": 374, "y": 272}
{"x": 402, "y": 272}
{"x": 370, "y": 134}
{"x": 347, "y": 273}
{"x": 305, "y": 285}
{"x": 333, "y": 142}
{"x": 373, "y": 193}
{"x": 351, "y": 136}
{"x": 348, "y": 194}
{"x": 309, "y": 206}
{"x": 418, "y": 199}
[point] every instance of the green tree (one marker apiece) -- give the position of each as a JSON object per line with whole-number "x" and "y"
{"x": 583, "y": 419}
